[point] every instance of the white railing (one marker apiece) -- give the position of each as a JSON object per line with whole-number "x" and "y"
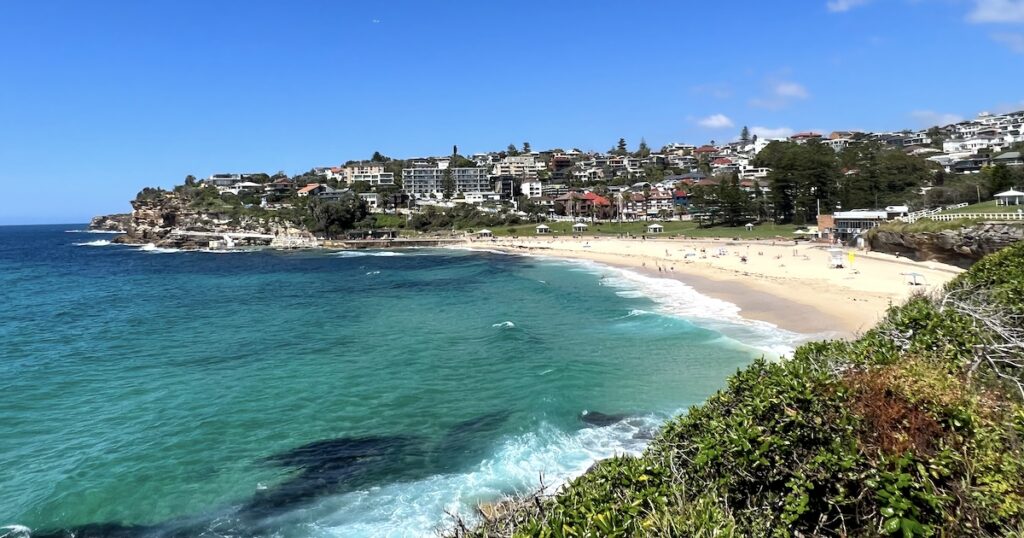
{"x": 986, "y": 216}
{"x": 930, "y": 213}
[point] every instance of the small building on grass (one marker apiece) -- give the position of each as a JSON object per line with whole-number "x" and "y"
{"x": 655, "y": 228}
{"x": 543, "y": 229}
{"x": 579, "y": 228}
{"x": 1010, "y": 197}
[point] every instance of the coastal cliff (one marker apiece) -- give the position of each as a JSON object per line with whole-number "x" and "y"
{"x": 172, "y": 220}
{"x": 117, "y": 222}
{"x": 961, "y": 246}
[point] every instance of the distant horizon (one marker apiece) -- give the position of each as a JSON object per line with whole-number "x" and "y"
{"x": 103, "y": 100}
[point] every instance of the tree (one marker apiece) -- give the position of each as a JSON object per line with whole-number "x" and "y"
{"x": 621, "y": 148}
{"x": 447, "y": 183}
{"x": 733, "y": 203}
{"x": 803, "y": 177}
{"x": 511, "y": 150}
{"x": 877, "y": 176}
{"x": 643, "y": 150}
{"x": 745, "y": 135}
{"x": 334, "y": 217}
{"x": 999, "y": 178}
{"x": 379, "y": 158}
{"x": 526, "y": 147}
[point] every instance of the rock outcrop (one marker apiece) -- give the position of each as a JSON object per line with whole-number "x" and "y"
{"x": 960, "y": 247}
{"x": 169, "y": 221}
{"x": 117, "y": 222}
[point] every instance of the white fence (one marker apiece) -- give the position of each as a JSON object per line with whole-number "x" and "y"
{"x": 985, "y": 216}
{"x": 929, "y": 213}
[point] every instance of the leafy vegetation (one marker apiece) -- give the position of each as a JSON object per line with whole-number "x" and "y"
{"x": 914, "y": 429}
{"x": 461, "y": 216}
{"x": 924, "y": 225}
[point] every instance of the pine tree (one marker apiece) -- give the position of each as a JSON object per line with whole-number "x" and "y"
{"x": 643, "y": 150}
{"x": 745, "y": 135}
{"x": 447, "y": 184}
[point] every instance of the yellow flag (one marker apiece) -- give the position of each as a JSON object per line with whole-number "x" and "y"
{"x": 850, "y": 255}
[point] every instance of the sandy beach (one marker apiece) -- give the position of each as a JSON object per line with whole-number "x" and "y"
{"x": 790, "y": 285}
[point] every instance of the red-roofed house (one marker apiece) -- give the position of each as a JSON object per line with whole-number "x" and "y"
{"x": 801, "y": 138}
{"x": 305, "y": 191}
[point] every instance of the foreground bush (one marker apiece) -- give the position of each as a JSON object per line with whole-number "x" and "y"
{"x": 915, "y": 429}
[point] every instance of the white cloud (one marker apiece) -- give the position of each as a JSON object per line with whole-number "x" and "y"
{"x": 839, "y": 6}
{"x": 770, "y": 132}
{"x": 929, "y": 118}
{"x": 1014, "y": 41}
{"x": 718, "y": 91}
{"x": 716, "y": 121}
{"x": 791, "y": 89}
{"x": 781, "y": 93}
{"x": 997, "y": 11}
{"x": 1006, "y": 108}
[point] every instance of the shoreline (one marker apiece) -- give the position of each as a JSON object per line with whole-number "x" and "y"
{"x": 780, "y": 283}
{"x": 786, "y": 285}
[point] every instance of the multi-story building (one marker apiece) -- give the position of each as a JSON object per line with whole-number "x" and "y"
{"x": 532, "y": 189}
{"x": 223, "y": 180}
{"x": 520, "y": 166}
{"x": 968, "y": 144}
{"x": 428, "y": 178}
{"x": 370, "y": 172}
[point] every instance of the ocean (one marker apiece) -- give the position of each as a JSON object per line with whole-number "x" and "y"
{"x": 148, "y": 392}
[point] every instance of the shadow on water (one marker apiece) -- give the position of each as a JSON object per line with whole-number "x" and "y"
{"x": 326, "y": 467}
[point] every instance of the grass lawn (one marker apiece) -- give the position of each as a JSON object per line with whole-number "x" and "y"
{"x": 984, "y": 207}
{"x": 672, "y": 228}
{"x": 386, "y": 220}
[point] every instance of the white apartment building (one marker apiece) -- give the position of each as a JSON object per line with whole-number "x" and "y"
{"x": 520, "y": 166}
{"x": 754, "y": 173}
{"x": 422, "y": 181}
{"x": 967, "y": 144}
{"x": 370, "y": 172}
{"x": 532, "y": 189}
{"x": 837, "y": 144}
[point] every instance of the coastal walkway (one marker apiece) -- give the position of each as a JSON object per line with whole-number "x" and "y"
{"x": 356, "y": 244}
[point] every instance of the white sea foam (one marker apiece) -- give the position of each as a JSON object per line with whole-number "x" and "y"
{"x": 150, "y": 247}
{"x": 676, "y": 298}
{"x": 418, "y": 508}
{"x": 505, "y": 325}
{"x": 361, "y": 253}
{"x": 636, "y": 312}
{"x": 15, "y": 531}
{"x": 96, "y": 243}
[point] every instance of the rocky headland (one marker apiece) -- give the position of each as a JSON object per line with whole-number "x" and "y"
{"x": 173, "y": 221}
{"x": 961, "y": 247}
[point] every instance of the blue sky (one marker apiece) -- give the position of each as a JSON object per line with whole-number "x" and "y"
{"x": 98, "y": 99}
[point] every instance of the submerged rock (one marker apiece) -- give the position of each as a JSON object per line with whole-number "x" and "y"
{"x": 594, "y": 418}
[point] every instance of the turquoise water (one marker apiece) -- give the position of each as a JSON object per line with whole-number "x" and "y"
{"x": 157, "y": 393}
